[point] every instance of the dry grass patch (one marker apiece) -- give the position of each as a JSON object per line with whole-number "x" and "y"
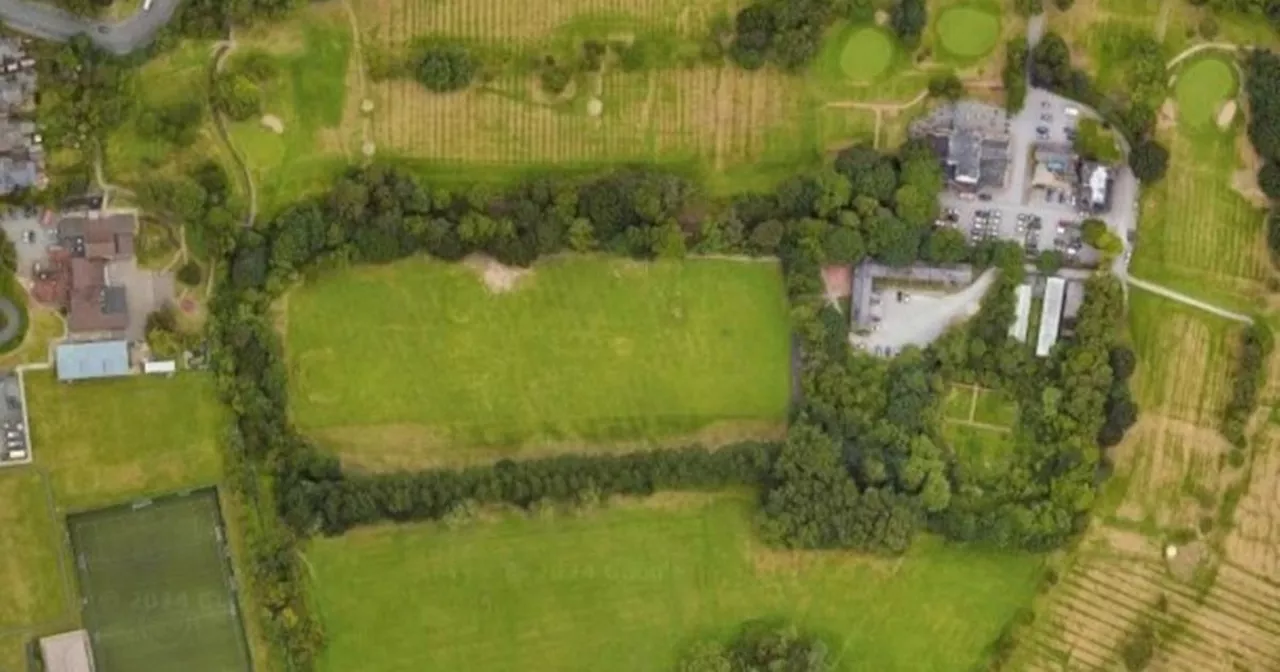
{"x": 1186, "y": 364}
{"x": 1174, "y": 472}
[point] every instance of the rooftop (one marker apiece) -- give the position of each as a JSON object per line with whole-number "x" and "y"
{"x": 99, "y": 359}
{"x": 67, "y": 652}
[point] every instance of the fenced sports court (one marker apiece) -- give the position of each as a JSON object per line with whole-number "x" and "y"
{"x": 156, "y": 586}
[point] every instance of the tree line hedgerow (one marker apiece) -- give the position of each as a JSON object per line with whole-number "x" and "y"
{"x": 864, "y": 466}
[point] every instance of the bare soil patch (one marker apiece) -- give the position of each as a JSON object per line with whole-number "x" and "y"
{"x": 1245, "y": 180}
{"x": 1186, "y": 559}
{"x": 497, "y": 277}
{"x": 1168, "y": 117}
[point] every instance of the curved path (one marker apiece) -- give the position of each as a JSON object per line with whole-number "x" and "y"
{"x": 1197, "y": 48}
{"x": 221, "y": 51}
{"x": 12, "y": 320}
{"x": 51, "y": 23}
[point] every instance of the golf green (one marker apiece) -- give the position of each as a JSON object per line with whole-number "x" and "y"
{"x": 867, "y": 54}
{"x": 1203, "y": 86}
{"x": 968, "y": 32}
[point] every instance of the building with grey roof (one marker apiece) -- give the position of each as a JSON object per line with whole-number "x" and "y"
{"x": 95, "y": 359}
{"x": 972, "y": 140}
{"x": 1050, "y": 315}
{"x": 1021, "y": 314}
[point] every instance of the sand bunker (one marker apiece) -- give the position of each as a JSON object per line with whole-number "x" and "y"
{"x": 273, "y": 123}
{"x": 1168, "y": 117}
{"x": 1226, "y": 114}
{"x": 498, "y": 278}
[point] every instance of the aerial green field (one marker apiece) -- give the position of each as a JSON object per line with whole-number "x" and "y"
{"x": 581, "y": 349}
{"x": 102, "y": 442}
{"x": 968, "y": 32}
{"x": 32, "y": 589}
{"x": 628, "y": 587}
{"x": 1186, "y": 359}
{"x": 1197, "y": 233}
{"x": 868, "y": 52}
{"x": 1203, "y": 85}
{"x": 156, "y": 591}
{"x": 995, "y": 408}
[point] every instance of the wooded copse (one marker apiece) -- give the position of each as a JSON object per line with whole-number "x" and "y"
{"x": 1256, "y": 344}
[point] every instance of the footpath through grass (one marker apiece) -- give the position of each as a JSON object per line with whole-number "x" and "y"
{"x": 629, "y": 587}
{"x": 580, "y": 349}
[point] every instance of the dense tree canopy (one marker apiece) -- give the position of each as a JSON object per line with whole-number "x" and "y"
{"x": 762, "y": 646}
{"x": 445, "y": 68}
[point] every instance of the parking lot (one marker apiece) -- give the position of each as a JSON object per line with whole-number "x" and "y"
{"x": 13, "y": 423}
{"x": 1041, "y": 217}
{"x": 916, "y": 316}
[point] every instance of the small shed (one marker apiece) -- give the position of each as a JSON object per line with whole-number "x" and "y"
{"x": 67, "y": 652}
{"x": 97, "y": 359}
{"x": 162, "y": 367}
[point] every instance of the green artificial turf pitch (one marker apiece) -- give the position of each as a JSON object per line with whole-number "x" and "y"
{"x": 867, "y": 54}
{"x": 629, "y": 587}
{"x": 582, "y": 348}
{"x": 156, "y": 587}
{"x": 968, "y": 32}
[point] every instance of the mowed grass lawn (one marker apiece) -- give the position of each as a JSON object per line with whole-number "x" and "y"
{"x": 583, "y": 348}
{"x": 103, "y": 442}
{"x": 32, "y": 589}
{"x": 629, "y": 587}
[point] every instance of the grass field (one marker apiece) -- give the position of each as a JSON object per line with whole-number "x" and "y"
{"x": 102, "y": 442}
{"x": 1196, "y": 233}
{"x": 867, "y": 53}
{"x": 316, "y": 97}
{"x": 582, "y": 349}
{"x": 1203, "y": 85}
{"x": 1186, "y": 359}
{"x": 32, "y": 589}
{"x": 968, "y": 32}
{"x": 626, "y": 588}
{"x": 156, "y": 589}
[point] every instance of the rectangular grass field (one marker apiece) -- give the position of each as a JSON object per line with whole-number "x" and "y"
{"x": 629, "y": 587}
{"x": 580, "y": 349}
{"x": 157, "y": 589}
{"x": 106, "y": 441}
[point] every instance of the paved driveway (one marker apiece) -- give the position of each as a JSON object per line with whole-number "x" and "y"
{"x": 50, "y": 23}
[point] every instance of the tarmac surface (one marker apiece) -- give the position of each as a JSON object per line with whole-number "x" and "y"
{"x": 123, "y": 37}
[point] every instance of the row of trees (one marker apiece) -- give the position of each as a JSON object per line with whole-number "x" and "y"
{"x": 1132, "y": 114}
{"x": 1014, "y": 75}
{"x": 1262, "y": 84}
{"x": 1256, "y": 344}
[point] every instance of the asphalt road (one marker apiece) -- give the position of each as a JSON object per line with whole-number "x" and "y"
{"x": 50, "y": 23}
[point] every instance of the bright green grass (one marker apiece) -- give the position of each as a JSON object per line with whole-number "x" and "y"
{"x": 627, "y": 588}
{"x": 584, "y": 348}
{"x": 156, "y": 589}
{"x": 1203, "y": 85}
{"x": 309, "y": 96}
{"x": 867, "y": 54}
{"x": 995, "y": 408}
{"x": 959, "y": 402}
{"x": 968, "y": 32}
{"x": 1196, "y": 234}
{"x": 31, "y": 587}
{"x": 105, "y": 441}
{"x": 982, "y": 450}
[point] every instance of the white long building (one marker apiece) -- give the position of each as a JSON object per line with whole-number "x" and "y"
{"x": 1050, "y": 315}
{"x": 1022, "y": 314}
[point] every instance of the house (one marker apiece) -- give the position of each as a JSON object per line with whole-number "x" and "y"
{"x": 972, "y": 140}
{"x": 96, "y": 359}
{"x": 67, "y": 652}
{"x": 93, "y": 303}
{"x": 109, "y": 237}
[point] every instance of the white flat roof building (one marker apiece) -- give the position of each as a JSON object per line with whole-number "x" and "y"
{"x": 1050, "y": 315}
{"x": 68, "y": 652}
{"x": 1022, "y": 314}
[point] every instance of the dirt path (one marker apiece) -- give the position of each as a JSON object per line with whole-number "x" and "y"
{"x": 1190, "y": 301}
{"x": 221, "y": 51}
{"x": 878, "y": 109}
{"x": 1197, "y": 48}
{"x": 357, "y": 41}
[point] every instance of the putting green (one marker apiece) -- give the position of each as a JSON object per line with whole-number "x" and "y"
{"x": 968, "y": 32}
{"x": 866, "y": 54}
{"x": 1202, "y": 87}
